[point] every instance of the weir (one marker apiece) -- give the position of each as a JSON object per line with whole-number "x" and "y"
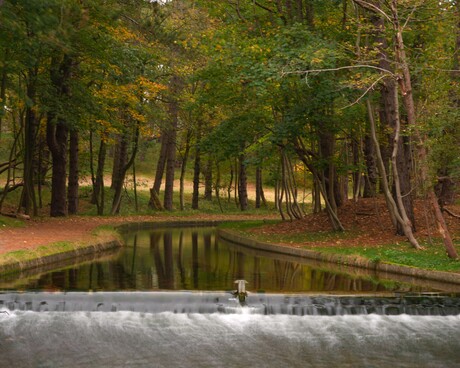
{"x": 227, "y": 303}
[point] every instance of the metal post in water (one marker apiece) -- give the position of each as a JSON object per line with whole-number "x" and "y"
{"x": 241, "y": 293}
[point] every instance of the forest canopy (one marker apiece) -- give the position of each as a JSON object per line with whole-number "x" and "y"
{"x": 342, "y": 98}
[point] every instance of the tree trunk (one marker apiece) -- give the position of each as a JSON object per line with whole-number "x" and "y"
{"x": 119, "y": 160}
{"x": 123, "y": 151}
{"x": 390, "y": 117}
{"x": 396, "y": 209}
{"x": 258, "y": 186}
{"x": 208, "y": 180}
{"x": 333, "y": 190}
{"x": 171, "y": 149}
{"x": 97, "y": 197}
{"x": 72, "y": 193}
{"x": 170, "y": 168}
{"x": 28, "y": 200}
{"x": 4, "y": 77}
{"x": 196, "y": 177}
{"x": 442, "y": 227}
{"x": 242, "y": 184}
{"x": 183, "y": 167}
{"x": 56, "y": 134}
{"x": 161, "y": 164}
{"x": 370, "y": 184}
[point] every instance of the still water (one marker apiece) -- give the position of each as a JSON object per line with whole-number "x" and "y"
{"x": 162, "y": 302}
{"x": 194, "y": 259}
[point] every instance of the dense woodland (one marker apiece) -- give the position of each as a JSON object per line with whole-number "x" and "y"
{"x": 348, "y": 98}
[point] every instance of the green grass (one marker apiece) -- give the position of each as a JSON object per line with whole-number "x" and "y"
{"x": 101, "y": 234}
{"x": 433, "y": 257}
{"x": 10, "y": 222}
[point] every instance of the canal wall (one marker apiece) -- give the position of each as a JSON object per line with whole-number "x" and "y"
{"x": 383, "y": 269}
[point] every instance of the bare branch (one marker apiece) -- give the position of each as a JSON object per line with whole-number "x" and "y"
{"x": 450, "y": 212}
{"x": 408, "y": 17}
{"x": 374, "y": 8}
{"x": 371, "y": 87}
{"x": 264, "y": 7}
{"x": 386, "y": 71}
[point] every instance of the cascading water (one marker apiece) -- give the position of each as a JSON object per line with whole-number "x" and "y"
{"x": 190, "y": 329}
{"x": 135, "y": 323}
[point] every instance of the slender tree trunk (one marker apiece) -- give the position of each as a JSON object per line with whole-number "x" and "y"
{"x": 97, "y": 197}
{"x": 258, "y": 186}
{"x": 320, "y": 178}
{"x": 196, "y": 177}
{"x": 370, "y": 185}
{"x": 116, "y": 203}
{"x": 171, "y": 149}
{"x": 396, "y": 208}
{"x": 57, "y": 134}
{"x": 208, "y": 180}
{"x": 442, "y": 227}
{"x": 170, "y": 168}
{"x": 217, "y": 187}
{"x": 118, "y": 175}
{"x": 161, "y": 164}
{"x": 230, "y": 184}
{"x": 119, "y": 160}
{"x": 11, "y": 164}
{"x": 390, "y": 117}
{"x": 72, "y": 194}
{"x": 183, "y": 168}
{"x": 28, "y": 199}
{"x": 136, "y": 201}
{"x": 4, "y": 77}
{"x": 242, "y": 184}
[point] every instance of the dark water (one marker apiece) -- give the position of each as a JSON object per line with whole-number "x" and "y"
{"x": 307, "y": 315}
{"x": 194, "y": 259}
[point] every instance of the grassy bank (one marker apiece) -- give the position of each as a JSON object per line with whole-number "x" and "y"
{"x": 432, "y": 257}
{"x": 100, "y": 235}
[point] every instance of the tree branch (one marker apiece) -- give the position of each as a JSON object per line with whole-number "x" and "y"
{"x": 371, "y": 87}
{"x": 373, "y": 8}
{"x": 340, "y": 68}
{"x": 444, "y": 209}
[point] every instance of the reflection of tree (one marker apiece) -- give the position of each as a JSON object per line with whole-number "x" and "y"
{"x": 207, "y": 258}
{"x": 216, "y": 257}
{"x": 195, "y": 263}
{"x": 90, "y": 277}
{"x": 286, "y": 274}
{"x": 240, "y": 262}
{"x": 154, "y": 249}
{"x": 257, "y": 277}
{"x": 134, "y": 255}
{"x": 73, "y": 279}
{"x": 180, "y": 266}
{"x": 169, "y": 260}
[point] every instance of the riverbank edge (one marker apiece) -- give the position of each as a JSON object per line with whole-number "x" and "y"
{"x": 79, "y": 251}
{"x": 347, "y": 260}
{"x": 94, "y": 248}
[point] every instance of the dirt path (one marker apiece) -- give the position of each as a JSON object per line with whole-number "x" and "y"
{"x": 39, "y": 232}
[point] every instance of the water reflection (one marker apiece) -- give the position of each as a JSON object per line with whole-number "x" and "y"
{"x": 194, "y": 259}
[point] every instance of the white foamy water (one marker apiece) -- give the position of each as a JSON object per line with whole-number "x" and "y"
{"x": 132, "y": 339}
